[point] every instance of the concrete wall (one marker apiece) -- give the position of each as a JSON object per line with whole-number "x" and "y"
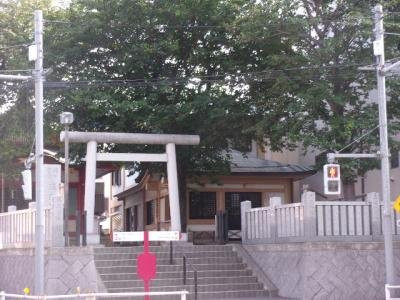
{"x": 373, "y": 183}
{"x": 334, "y": 270}
{"x": 65, "y": 270}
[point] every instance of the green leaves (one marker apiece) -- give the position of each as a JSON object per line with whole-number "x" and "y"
{"x": 282, "y": 72}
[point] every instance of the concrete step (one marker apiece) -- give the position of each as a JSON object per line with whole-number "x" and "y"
{"x": 172, "y": 268}
{"x": 176, "y": 247}
{"x": 221, "y": 272}
{"x": 178, "y": 281}
{"x": 166, "y": 261}
{"x": 230, "y": 295}
{"x": 163, "y": 255}
{"x": 200, "y": 288}
{"x": 242, "y": 295}
{"x": 162, "y": 275}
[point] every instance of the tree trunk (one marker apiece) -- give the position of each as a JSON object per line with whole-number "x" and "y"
{"x": 182, "y": 197}
{"x": 349, "y": 191}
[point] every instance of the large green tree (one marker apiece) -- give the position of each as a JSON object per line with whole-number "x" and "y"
{"x": 163, "y": 67}
{"x": 329, "y": 104}
{"x": 16, "y": 98}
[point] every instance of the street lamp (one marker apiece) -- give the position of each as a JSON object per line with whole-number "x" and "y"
{"x": 66, "y": 118}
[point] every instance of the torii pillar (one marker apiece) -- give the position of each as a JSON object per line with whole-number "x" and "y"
{"x": 169, "y": 140}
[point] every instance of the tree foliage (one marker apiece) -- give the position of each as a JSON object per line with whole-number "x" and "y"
{"x": 329, "y": 103}
{"x": 16, "y": 98}
{"x": 281, "y": 72}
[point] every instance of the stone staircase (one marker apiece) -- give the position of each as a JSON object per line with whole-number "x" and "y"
{"x": 221, "y": 272}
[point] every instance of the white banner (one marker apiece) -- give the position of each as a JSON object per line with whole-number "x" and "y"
{"x": 138, "y": 236}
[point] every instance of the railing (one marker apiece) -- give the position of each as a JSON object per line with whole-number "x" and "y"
{"x": 389, "y": 289}
{"x": 17, "y": 229}
{"x": 185, "y": 273}
{"x": 345, "y": 219}
{"x": 93, "y": 296}
{"x": 313, "y": 220}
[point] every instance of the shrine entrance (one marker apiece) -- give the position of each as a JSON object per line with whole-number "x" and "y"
{"x": 92, "y": 156}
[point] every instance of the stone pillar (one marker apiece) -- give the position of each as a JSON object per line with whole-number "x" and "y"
{"x": 57, "y": 226}
{"x": 173, "y": 190}
{"x": 374, "y": 201}
{"x": 244, "y": 206}
{"x": 273, "y": 202}
{"x": 308, "y": 200}
{"x": 90, "y": 190}
{"x": 11, "y": 208}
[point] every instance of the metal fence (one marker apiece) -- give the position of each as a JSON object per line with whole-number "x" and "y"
{"x": 94, "y": 296}
{"x": 312, "y": 220}
{"x": 17, "y": 228}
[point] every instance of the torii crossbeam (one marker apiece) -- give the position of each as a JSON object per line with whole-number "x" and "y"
{"x": 169, "y": 140}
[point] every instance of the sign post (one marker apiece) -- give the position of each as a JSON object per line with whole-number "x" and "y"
{"x": 146, "y": 265}
{"x": 146, "y": 261}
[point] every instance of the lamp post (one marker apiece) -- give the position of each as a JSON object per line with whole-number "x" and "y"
{"x": 66, "y": 118}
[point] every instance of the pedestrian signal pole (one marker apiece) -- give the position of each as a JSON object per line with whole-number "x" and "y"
{"x": 379, "y": 52}
{"x": 381, "y": 70}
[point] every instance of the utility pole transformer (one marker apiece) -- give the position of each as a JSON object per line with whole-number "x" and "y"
{"x": 379, "y": 52}
{"x": 39, "y": 233}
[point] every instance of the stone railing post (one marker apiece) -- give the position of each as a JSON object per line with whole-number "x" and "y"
{"x": 374, "y": 201}
{"x": 273, "y": 203}
{"x": 57, "y": 221}
{"x": 310, "y": 218}
{"x": 244, "y": 207}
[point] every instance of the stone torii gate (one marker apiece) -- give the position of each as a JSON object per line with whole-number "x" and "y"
{"x": 169, "y": 140}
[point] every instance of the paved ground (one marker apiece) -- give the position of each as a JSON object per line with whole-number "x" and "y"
{"x": 258, "y": 298}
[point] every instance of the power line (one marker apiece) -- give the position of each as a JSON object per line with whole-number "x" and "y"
{"x": 392, "y": 33}
{"x": 16, "y": 71}
{"x": 14, "y": 46}
{"x": 184, "y": 81}
{"x": 201, "y": 79}
{"x": 360, "y": 138}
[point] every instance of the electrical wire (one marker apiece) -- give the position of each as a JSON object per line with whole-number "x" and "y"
{"x": 392, "y": 33}
{"x": 16, "y": 71}
{"x": 176, "y": 82}
{"x": 302, "y": 68}
{"x": 14, "y": 46}
{"x": 360, "y": 138}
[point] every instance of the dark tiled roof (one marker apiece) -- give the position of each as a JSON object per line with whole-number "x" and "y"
{"x": 251, "y": 164}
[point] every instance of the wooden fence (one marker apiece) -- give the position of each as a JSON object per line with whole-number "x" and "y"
{"x": 312, "y": 220}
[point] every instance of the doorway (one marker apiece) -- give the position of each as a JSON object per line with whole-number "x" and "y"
{"x": 232, "y": 206}
{"x": 131, "y": 218}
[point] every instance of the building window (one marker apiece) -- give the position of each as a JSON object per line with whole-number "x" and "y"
{"x": 150, "y": 210}
{"x": 202, "y": 205}
{"x": 116, "y": 177}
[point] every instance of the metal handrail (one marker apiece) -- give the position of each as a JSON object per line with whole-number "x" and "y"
{"x": 185, "y": 271}
{"x": 183, "y": 294}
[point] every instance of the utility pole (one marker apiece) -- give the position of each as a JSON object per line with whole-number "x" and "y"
{"x": 3, "y": 202}
{"x": 381, "y": 69}
{"x": 39, "y": 233}
{"x": 384, "y": 149}
{"x": 38, "y": 77}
